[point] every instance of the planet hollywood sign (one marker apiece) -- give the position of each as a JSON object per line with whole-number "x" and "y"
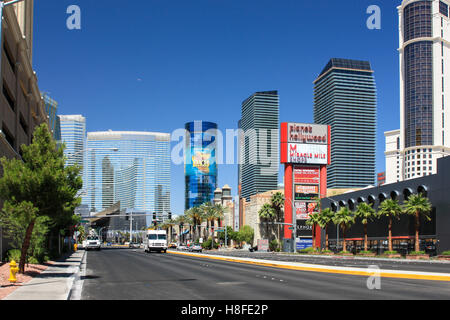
{"x": 305, "y": 143}
{"x": 307, "y": 133}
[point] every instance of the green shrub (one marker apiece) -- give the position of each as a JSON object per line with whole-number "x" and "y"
{"x": 417, "y": 253}
{"x": 208, "y": 244}
{"x": 307, "y": 250}
{"x": 13, "y": 254}
{"x": 366, "y": 252}
{"x": 446, "y": 253}
{"x": 390, "y": 252}
{"x": 274, "y": 245}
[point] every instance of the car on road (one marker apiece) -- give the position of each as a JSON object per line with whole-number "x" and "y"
{"x": 134, "y": 245}
{"x": 92, "y": 242}
{"x": 181, "y": 247}
{"x": 195, "y": 248}
{"x": 172, "y": 245}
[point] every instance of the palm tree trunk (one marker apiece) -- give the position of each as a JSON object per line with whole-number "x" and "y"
{"x": 417, "y": 244}
{"x": 344, "y": 246}
{"x": 390, "y": 234}
{"x": 25, "y": 246}
{"x": 313, "y": 236}
{"x": 365, "y": 237}
{"x": 326, "y": 237}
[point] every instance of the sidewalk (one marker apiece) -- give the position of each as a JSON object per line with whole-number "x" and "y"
{"x": 55, "y": 283}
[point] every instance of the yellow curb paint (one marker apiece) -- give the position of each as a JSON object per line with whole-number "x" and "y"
{"x": 325, "y": 270}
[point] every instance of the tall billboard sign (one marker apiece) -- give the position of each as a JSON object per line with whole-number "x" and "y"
{"x": 305, "y": 150}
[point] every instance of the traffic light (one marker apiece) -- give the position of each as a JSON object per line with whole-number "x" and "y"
{"x": 170, "y": 215}
{"x": 154, "y": 216}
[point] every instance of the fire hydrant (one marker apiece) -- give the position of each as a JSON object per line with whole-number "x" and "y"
{"x": 75, "y": 247}
{"x": 13, "y": 269}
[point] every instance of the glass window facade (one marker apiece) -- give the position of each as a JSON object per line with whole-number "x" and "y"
{"x": 137, "y": 174}
{"x": 345, "y": 98}
{"x": 417, "y": 20}
{"x": 200, "y": 163}
{"x": 418, "y": 63}
{"x": 443, "y": 8}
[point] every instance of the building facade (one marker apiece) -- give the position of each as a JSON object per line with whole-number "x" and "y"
{"x": 345, "y": 98}
{"x": 21, "y": 104}
{"x": 73, "y": 135}
{"x": 424, "y": 137}
{"x": 132, "y": 168}
{"x": 433, "y": 232}
{"x": 223, "y": 197}
{"x": 51, "y": 107}
{"x": 259, "y": 154}
{"x": 200, "y": 163}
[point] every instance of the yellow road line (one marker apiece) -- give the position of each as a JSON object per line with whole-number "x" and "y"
{"x": 386, "y": 274}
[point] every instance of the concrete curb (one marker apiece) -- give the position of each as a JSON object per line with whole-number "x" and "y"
{"x": 355, "y": 271}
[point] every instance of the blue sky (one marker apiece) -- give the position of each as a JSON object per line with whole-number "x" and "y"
{"x": 154, "y": 65}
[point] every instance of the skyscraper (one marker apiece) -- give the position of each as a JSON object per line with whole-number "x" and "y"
{"x": 345, "y": 98}
{"x": 259, "y": 144}
{"x": 51, "y": 107}
{"x": 130, "y": 167}
{"x": 200, "y": 163}
{"x": 73, "y": 134}
{"x": 424, "y": 33}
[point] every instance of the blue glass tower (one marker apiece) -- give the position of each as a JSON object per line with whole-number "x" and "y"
{"x": 200, "y": 163}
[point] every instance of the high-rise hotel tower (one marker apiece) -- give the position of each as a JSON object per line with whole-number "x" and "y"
{"x": 345, "y": 98}
{"x": 424, "y": 50}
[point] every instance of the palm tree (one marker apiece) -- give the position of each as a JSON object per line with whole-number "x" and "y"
{"x": 344, "y": 218}
{"x": 326, "y": 217}
{"x": 366, "y": 213}
{"x": 196, "y": 215}
{"x": 417, "y": 205}
{"x": 170, "y": 223}
{"x": 267, "y": 214}
{"x": 277, "y": 201}
{"x": 180, "y": 221}
{"x": 391, "y": 209}
{"x": 314, "y": 220}
{"x": 209, "y": 214}
{"x": 219, "y": 213}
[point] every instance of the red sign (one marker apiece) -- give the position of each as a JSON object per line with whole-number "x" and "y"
{"x": 306, "y": 175}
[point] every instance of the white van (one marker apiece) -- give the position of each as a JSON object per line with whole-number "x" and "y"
{"x": 156, "y": 241}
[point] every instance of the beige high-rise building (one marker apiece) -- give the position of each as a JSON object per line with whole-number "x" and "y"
{"x": 24, "y": 11}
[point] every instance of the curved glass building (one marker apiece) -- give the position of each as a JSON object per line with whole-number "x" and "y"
{"x": 130, "y": 167}
{"x": 200, "y": 163}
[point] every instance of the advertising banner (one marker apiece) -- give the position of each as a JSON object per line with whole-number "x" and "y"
{"x": 303, "y": 230}
{"x": 307, "y": 192}
{"x": 200, "y": 161}
{"x": 303, "y": 243}
{"x": 306, "y": 175}
{"x": 303, "y": 209}
{"x": 305, "y": 133}
{"x": 307, "y": 153}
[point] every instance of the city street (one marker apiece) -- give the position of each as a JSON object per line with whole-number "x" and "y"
{"x": 131, "y": 274}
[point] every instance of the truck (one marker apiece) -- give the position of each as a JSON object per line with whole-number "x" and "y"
{"x": 92, "y": 242}
{"x": 156, "y": 240}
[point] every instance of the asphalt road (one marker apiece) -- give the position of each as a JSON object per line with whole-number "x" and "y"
{"x": 127, "y": 274}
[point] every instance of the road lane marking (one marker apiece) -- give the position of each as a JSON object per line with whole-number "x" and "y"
{"x": 412, "y": 275}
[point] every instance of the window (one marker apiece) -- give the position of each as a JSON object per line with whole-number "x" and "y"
{"x": 443, "y": 8}
{"x": 8, "y": 136}
{"x": 8, "y": 97}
